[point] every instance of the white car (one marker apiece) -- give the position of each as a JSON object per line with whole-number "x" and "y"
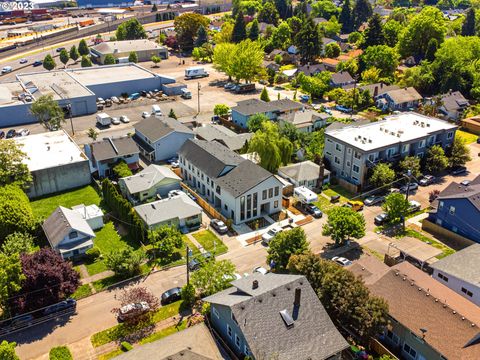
{"x": 341, "y": 261}
{"x": 132, "y": 309}
{"x": 23, "y": 61}
{"x": 270, "y": 234}
{"x": 124, "y": 119}
{"x": 23, "y": 132}
{"x": 115, "y": 121}
{"x": 260, "y": 270}
{"x": 145, "y": 114}
{"x": 115, "y": 99}
{"x": 100, "y": 101}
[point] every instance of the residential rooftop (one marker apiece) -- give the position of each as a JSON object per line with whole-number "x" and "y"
{"x": 404, "y": 95}
{"x": 254, "y": 106}
{"x": 305, "y": 170}
{"x": 464, "y": 265}
{"x": 458, "y": 191}
{"x": 155, "y": 128}
{"x": 110, "y": 148}
{"x": 50, "y": 149}
{"x": 148, "y": 177}
{"x": 223, "y": 135}
{"x": 393, "y": 130}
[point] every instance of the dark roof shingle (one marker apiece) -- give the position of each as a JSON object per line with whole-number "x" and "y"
{"x": 114, "y": 147}
{"x": 155, "y": 128}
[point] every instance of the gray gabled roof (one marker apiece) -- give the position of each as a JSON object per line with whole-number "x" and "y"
{"x": 305, "y": 117}
{"x": 305, "y": 170}
{"x": 148, "y": 177}
{"x": 342, "y": 77}
{"x": 257, "y": 312}
{"x": 400, "y": 96}
{"x": 255, "y": 106}
{"x": 155, "y": 128}
{"x": 464, "y": 264}
{"x": 61, "y": 222}
{"x": 458, "y": 191}
{"x": 223, "y": 135}
{"x": 453, "y": 101}
{"x": 110, "y": 148}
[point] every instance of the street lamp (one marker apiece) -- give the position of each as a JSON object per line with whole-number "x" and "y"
{"x": 198, "y": 102}
{"x": 69, "y": 107}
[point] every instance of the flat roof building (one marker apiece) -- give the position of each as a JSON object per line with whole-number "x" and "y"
{"x": 144, "y": 48}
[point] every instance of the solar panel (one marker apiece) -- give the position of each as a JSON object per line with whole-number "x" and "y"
{"x": 287, "y": 318}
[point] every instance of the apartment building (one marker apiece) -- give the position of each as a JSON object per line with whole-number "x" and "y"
{"x": 352, "y": 150}
{"x": 236, "y": 187}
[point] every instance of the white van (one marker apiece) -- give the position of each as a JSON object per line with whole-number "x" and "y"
{"x": 156, "y": 110}
{"x": 6, "y": 69}
{"x": 104, "y": 119}
{"x": 186, "y": 94}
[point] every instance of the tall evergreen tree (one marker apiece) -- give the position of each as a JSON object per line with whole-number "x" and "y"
{"x": 49, "y": 63}
{"x": 468, "y": 27}
{"x": 374, "y": 33}
{"x": 361, "y": 12}
{"x": 83, "y": 48}
{"x": 74, "y": 54}
{"x": 239, "y": 29}
{"x": 431, "y": 49}
{"x": 300, "y": 9}
{"x": 282, "y": 8}
{"x": 202, "y": 36}
{"x": 308, "y": 40}
{"x": 254, "y": 30}
{"x": 346, "y": 18}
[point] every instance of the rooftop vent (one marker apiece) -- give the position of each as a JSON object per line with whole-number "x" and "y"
{"x": 255, "y": 284}
{"x": 298, "y": 295}
{"x": 287, "y": 318}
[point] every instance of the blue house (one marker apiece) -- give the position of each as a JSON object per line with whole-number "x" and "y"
{"x": 275, "y": 316}
{"x": 457, "y": 209}
{"x": 272, "y": 109}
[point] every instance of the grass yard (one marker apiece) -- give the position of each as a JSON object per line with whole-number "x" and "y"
{"x": 338, "y": 190}
{"x": 469, "y": 138}
{"x": 120, "y": 330}
{"x": 164, "y": 333}
{"x": 111, "y": 355}
{"x": 323, "y": 204}
{"x": 104, "y": 283}
{"x": 43, "y": 207}
{"x": 210, "y": 242}
{"x": 436, "y": 244}
{"x": 82, "y": 291}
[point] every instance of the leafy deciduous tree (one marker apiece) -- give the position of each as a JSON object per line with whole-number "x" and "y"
{"x": 18, "y": 243}
{"x": 286, "y": 244}
{"x": 124, "y": 262}
{"x": 436, "y": 160}
{"x": 332, "y": 50}
{"x": 156, "y": 60}
{"x": 344, "y": 223}
{"x": 186, "y": 27}
{"x": 7, "y": 351}
{"x": 221, "y": 109}
{"x": 109, "y": 60}
{"x": 130, "y": 30}
{"x": 396, "y": 207}
{"x": 86, "y": 62}
{"x": 459, "y": 153}
{"x": 165, "y": 240}
{"x": 213, "y": 277}
{"x": 411, "y": 163}
{"x": 381, "y": 57}
{"x": 48, "y": 112}
{"x": 12, "y": 168}
{"x": 133, "y": 57}
{"x": 382, "y": 175}
{"x": 15, "y": 211}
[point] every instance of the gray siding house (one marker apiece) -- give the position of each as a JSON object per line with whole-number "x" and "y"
{"x": 352, "y": 150}
{"x": 236, "y": 187}
{"x": 275, "y": 316}
{"x": 160, "y": 138}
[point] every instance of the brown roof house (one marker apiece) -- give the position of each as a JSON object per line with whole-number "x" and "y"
{"x": 400, "y": 99}
{"x": 472, "y": 124}
{"x": 342, "y": 79}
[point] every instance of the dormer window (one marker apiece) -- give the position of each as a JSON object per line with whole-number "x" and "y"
{"x": 73, "y": 235}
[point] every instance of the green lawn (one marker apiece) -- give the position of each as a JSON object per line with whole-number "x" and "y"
{"x": 44, "y": 207}
{"x": 82, "y": 291}
{"x": 210, "y": 242}
{"x": 120, "y": 330}
{"x": 323, "y": 204}
{"x": 469, "y": 138}
{"x": 338, "y": 190}
{"x": 436, "y": 244}
{"x": 164, "y": 333}
{"x": 104, "y": 283}
{"x": 111, "y": 354}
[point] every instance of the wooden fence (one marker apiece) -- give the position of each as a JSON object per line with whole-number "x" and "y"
{"x": 209, "y": 209}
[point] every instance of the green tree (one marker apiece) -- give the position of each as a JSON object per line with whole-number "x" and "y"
{"x": 346, "y": 17}
{"x": 7, "y": 351}
{"x": 264, "y": 95}
{"x": 15, "y": 211}
{"x": 11, "y": 277}
{"x": 469, "y": 25}
{"x": 411, "y": 163}
{"x": 202, "y": 36}
{"x": 286, "y": 244}
{"x": 130, "y": 30}
{"x": 239, "y": 29}
{"x": 272, "y": 148}
{"x": 213, "y": 276}
{"x": 459, "y": 153}
{"x": 133, "y": 57}
{"x": 92, "y": 134}
{"x": 154, "y": 8}
{"x": 332, "y": 50}
{"x": 109, "y": 60}
{"x": 60, "y": 353}
{"x": 86, "y": 62}
{"x": 331, "y": 28}
{"x": 362, "y": 10}
{"x": 283, "y": 8}
{"x": 49, "y": 63}
{"x": 436, "y": 160}
{"x": 391, "y": 31}
{"x": 156, "y": 60}
{"x": 186, "y": 27}
{"x": 225, "y": 34}
{"x": 64, "y": 57}
{"x": 324, "y": 8}
{"x": 18, "y": 243}
{"x": 381, "y": 57}
{"x": 247, "y": 60}
{"x": 221, "y": 109}
{"x": 374, "y": 32}
{"x": 165, "y": 240}
{"x": 83, "y": 48}
{"x": 345, "y": 297}
{"x": 124, "y": 262}
{"x": 269, "y": 14}
{"x": 223, "y": 56}
{"x": 282, "y": 36}
{"x": 13, "y": 170}
{"x": 371, "y": 75}
{"x": 432, "y": 48}
{"x": 316, "y": 85}
{"x": 121, "y": 169}
{"x": 188, "y": 295}
{"x": 47, "y": 112}
{"x": 396, "y": 207}
{"x": 428, "y": 24}
{"x": 343, "y": 224}
{"x": 309, "y": 42}
{"x": 254, "y": 31}
{"x": 74, "y": 54}
{"x": 256, "y": 121}
{"x": 382, "y": 175}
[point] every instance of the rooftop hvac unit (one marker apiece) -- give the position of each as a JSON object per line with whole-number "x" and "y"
{"x": 398, "y": 134}
{"x": 370, "y": 141}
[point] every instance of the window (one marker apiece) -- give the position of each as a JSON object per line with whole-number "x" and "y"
{"x": 215, "y": 312}
{"x": 255, "y": 204}
{"x": 439, "y": 222}
{"x": 237, "y": 341}
{"x": 356, "y": 169}
{"x": 349, "y": 150}
{"x": 208, "y": 180}
{"x": 249, "y": 206}
{"x": 270, "y": 193}
{"x": 201, "y": 176}
{"x": 409, "y": 350}
{"x": 357, "y": 155}
{"x": 264, "y": 194}
{"x": 277, "y": 190}
{"x": 233, "y": 318}
{"x": 450, "y": 135}
{"x": 443, "y": 277}
{"x": 405, "y": 148}
{"x": 337, "y": 160}
{"x": 242, "y": 208}
{"x": 328, "y": 140}
{"x": 229, "y": 331}
{"x": 420, "y": 155}
{"x": 454, "y": 229}
{"x": 219, "y": 192}
{"x": 348, "y": 163}
{"x": 329, "y": 153}
{"x": 392, "y": 337}
{"x": 440, "y": 205}
{"x": 275, "y": 204}
{"x": 338, "y": 147}
{"x": 451, "y": 210}
{"x": 246, "y": 350}
{"x": 465, "y": 291}
{"x": 225, "y": 207}
{"x": 208, "y": 192}
{"x": 73, "y": 235}
{"x": 421, "y": 144}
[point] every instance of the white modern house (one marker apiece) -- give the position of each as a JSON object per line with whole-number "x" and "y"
{"x": 68, "y": 232}
{"x": 239, "y": 189}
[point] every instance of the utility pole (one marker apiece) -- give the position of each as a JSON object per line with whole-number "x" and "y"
{"x": 198, "y": 100}
{"x": 188, "y": 270}
{"x": 354, "y": 95}
{"x": 409, "y": 176}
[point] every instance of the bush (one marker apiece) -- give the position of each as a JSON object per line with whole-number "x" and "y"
{"x": 126, "y": 346}
{"x": 60, "y": 353}
{"x": 122, "y": 170}
{"x": 188, "y": 295}
{"x": 93, "y": 253}
{"x": 205, "y": 308}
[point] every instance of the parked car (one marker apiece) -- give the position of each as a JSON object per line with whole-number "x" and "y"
{"x": 124, "y": 119}
{"x": 261, "y": 270}
{"x": 115, "y": 99}
{"x": 458, "y": 170}
{"x": 175, "y": 165}
{"x": 410, "y": 187}
{"x": 343, "y": 109}
{"x": 115, "y": 121}
{"x": 229, "y": 86}
{"x": 60, "y": 49}
{"x": 414, "y": 206}
{"x": 171, "y": 295}
{"x": 219, "y": 226}
{"x": 341, "y": 261}
{"x": 131, "y": 310}
{"x": 60, "y": 307}
{"x": 172, "y": 160}
{"x": 313, "y": 210}
{"x": 100, "y": 101}
{"x": 270, "y": 234}
{"x": 145, "y": 114}
{"x": 466, "y": 182}
{"x": 304, "y": 98}
{"x": 21, "y": 321}
{"x": 427, "y": 180}
{"x": 2, "y": 134}
{"x": 23, "y": 132}
{"x": 7, "y": 69}
{"x": 108, "y": 102}
{"x": 37, "y": 63}
{"x": 193, "y": 265}
{"x": 328, "y": 111}
{"x": 380, "y": 219}
{"x": 374, "y": 200}
{"x": 334, "y": 198}
{"x": 23, "y": 61}
{"x": 11, "y": 133}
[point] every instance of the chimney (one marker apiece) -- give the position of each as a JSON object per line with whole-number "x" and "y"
{"x": 255, "y": 284}
{"x": 298, "y": 295}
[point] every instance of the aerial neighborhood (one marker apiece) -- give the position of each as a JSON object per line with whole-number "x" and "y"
{"x": 239, "y": 180}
